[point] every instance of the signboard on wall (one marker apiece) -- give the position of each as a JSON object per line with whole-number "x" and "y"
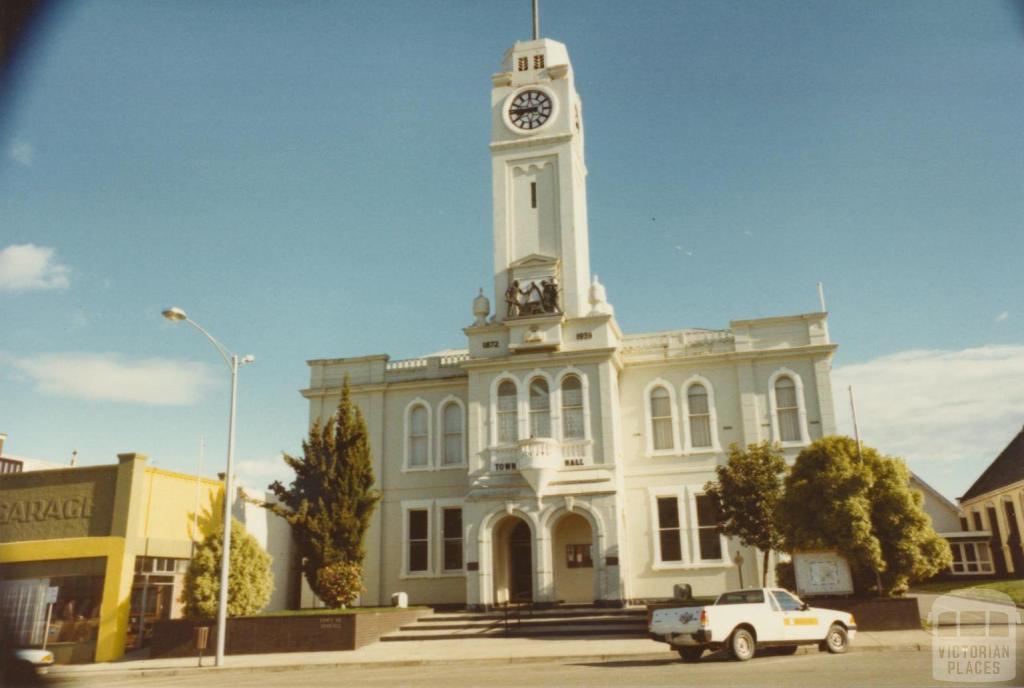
{"x": 44, "y": 505}
{"x": 822, "y": 573}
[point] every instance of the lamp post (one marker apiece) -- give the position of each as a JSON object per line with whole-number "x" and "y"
{"x": 233, "y": 361}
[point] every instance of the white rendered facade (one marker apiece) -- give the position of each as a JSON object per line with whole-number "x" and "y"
{"x": 555, "y": 458}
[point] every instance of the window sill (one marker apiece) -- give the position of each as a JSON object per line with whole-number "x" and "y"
{"x": 793, "y": 444}
{"x": 680, "y": 566}
{"x": 417, "y": 469}
{"x": 454, "y": 573}
{"x": 661, "y": 453}
{"x": 698, "y": 451}
{"x": 452, "y": 467}
{"x": 416, "y": 575}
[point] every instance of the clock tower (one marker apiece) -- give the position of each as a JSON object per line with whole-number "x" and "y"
{"x": 541, "y": 256}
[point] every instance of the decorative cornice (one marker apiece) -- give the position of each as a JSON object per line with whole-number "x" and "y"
{"x": 777, "y": 319}
{"x": 526, "y": 360}
{"x": 499, "y": 146}
{"x": 648, "y": 360}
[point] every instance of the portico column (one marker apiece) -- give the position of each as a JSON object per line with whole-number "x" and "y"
{"x": 545, "y": 578}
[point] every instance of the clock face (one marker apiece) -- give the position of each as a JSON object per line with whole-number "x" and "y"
{"x": 530, "y": 109}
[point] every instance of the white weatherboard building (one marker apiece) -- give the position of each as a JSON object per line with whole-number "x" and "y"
{"x": 556, "y": 458}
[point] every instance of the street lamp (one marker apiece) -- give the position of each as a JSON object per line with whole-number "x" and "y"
{"x": 233, "y": 361}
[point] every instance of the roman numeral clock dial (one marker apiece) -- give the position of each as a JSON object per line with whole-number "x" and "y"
{"x": 530, "y": 109}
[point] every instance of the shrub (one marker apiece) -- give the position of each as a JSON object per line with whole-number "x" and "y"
{"x": 340, "y": 583}
{"x": 785, "y": 575}
{"x": 250, "y": 581}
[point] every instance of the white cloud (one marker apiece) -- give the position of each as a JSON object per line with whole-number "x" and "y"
{"x": 25, "y": 267}
{"x": 1002, "y": 317}
{"x": 22, "y": 152}
{"x": 256, "y": 474}
{"x": 108, "y": 377}
{"x": 957, "y": 407}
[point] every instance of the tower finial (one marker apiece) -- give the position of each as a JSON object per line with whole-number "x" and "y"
{"x": 536, "y": 21}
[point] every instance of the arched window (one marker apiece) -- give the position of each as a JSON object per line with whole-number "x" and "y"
{"x": 661, "y": 419}
{"x": 540, "y": 408}
{"x": 419, "y": 437}
{"x": 572, "y": 408}
{"x": 787, "y": 409}
{"x": 508, "y": 413}
{"x": 700, "y": 416}
{"x": 451, "y": 435}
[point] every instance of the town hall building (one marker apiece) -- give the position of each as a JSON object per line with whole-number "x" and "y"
{"x": 556, "y": 458}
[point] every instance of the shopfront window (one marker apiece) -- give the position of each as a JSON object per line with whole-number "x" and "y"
{"x": 73, "y": 619}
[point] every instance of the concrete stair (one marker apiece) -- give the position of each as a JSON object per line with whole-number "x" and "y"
{"x": 563, "y": 621}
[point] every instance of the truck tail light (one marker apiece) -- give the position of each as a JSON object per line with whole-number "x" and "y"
{"x": 703, "y": 618}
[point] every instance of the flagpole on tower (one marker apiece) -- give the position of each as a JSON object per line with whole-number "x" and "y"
{"x": 536, "y": 21}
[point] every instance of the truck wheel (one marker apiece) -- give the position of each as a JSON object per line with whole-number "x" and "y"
{"x": 837, "y": 641}
{"x": 742, "y": 645}
{"x": 690, "y": 654}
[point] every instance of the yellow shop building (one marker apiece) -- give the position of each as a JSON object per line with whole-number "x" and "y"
{"x": 115, "y": 542}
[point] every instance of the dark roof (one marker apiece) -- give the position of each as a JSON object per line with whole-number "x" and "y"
{"x": 1008, "y": 468}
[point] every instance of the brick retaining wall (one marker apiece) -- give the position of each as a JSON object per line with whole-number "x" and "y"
{"x": 262, "y": 634}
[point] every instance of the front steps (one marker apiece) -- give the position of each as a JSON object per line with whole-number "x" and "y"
{"x": 576, "y": 621}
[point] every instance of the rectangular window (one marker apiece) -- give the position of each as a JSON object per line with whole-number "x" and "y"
{"x": 971, "y": 557}
{"x": 963, "y": 524}
{"x": 984, "y": 558}
{"x": 978, "y": 525}
{"x": 958, "y": 558}
{"x": 452, "y": 524}
{"x": 419, "y": 541}
{"x": 523, "y": 64}
{"x": 708, "y": 534}
{"x": 538, "y": 62}
{"x": 578, "y": 557}
{"x": 533, "y": 194}
{"x": 668, "y": 529}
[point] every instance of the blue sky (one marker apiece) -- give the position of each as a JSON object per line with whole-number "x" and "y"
{"x": 313, "y": 180}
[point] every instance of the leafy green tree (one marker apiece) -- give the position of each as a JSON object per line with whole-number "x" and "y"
{"x": 860, "y": 503}
{"x": 748, "y": 491}
{"x": 331, "y": 499}
{"x": 250, "y": 580}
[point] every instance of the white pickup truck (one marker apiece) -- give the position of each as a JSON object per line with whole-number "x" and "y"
{"x": 743, "y": 620}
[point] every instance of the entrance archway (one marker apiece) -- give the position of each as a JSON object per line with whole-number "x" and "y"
{"x": 573, "y": 559}
{"x": 512, "y": 558}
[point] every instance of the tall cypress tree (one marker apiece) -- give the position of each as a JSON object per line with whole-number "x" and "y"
{"x": 331, "y": 499}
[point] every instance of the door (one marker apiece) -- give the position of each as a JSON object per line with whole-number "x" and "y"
{"x": 521, "y": 564}
{"x": 798, "y": 625}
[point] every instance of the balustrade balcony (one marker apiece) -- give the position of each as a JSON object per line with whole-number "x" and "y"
{"x": 540, "y": 453}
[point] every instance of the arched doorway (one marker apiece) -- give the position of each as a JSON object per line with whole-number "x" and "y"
{"x": 573, "y": 558}
{"x": 513, "y": 560}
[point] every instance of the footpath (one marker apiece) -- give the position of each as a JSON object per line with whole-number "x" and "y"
{"x": 415, "y": 653}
